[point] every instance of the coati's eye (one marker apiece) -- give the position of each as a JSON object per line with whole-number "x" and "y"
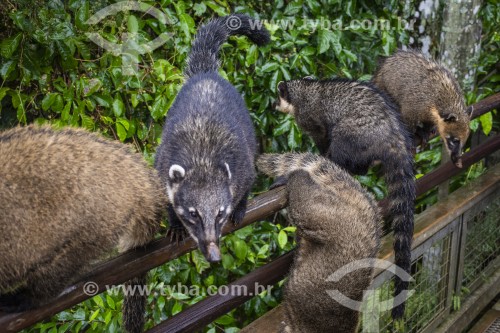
{"x": 221, "y": 211}
{"x": 193, "y": 213}
{"x": 453, "y": 141}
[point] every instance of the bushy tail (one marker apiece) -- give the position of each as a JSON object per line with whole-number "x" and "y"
{"x": 322, "y": 170}
{"x": 134, "y": 304}
{"x": 204, "y": 53}
{"x": 400, "y": 180}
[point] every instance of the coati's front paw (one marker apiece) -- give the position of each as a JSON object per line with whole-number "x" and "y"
{"x": 177, "y": 234}
{"x": 238, "y": 216}
{"x": 280, "y": 181}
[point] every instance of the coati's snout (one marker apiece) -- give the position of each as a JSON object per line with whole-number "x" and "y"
{"x": 455, "y": 148}
{"x": 211, "y": 252}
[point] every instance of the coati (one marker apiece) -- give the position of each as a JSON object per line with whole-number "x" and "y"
{"x": 338, "y": 222}
{"x": 354, "y": 125}
{"x": 206, "y": 157}
{"x": 428, "y": 96}
{"x": 68, "y": 198}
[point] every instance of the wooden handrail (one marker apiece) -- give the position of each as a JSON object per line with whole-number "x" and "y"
{"x": 135, "y": 262}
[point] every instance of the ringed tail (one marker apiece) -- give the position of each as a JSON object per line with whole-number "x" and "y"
{"x": 204, "y": 55}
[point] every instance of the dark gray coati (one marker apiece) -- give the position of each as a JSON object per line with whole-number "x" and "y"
{"x": 338, "y": 223}
{"x": 69, "y": 198}
{"x": 206, "y": 158}
{"x": 428, "y": 96}
{"x": 354, "y": 124}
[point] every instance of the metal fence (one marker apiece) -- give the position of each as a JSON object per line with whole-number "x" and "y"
{"x": 447, "y": 268}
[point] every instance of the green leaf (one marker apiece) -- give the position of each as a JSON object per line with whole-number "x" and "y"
{"x": 329, "y": 39}
{"x": 118, "y": 107}
{"x": 227, "y": 261}
{"x": 9, "y": 45}
{"x": 186, "y": 24}
{"x": 159, "y": 108}
{"x": 179, "y": 296}
{"x": 132, "y": 24}
{"x": 3, "y": 92}
{"x": 7, "y": 68}
{"x": 225, "y": 320}
{"x": 122, "y": 126}
{"x": 79, "y": 314}
{"x": 177, "y": 308}
{"x": 94, "y": 315}
{"x": 110, "y": 302}
{"x": 282, "y": 239}
{"x": 269, "y": 67}
{"x": 240, "y": 248}
{"x": 486, "y": 122}
{"x": 91, "y": 86}
{"x": 48, "y": 100}
{"x": 87, "y": 122}
{"x": 199, "y": 8}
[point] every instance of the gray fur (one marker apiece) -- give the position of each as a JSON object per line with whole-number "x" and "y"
{"x": 428, "y": 96}
{"x": 338, "y": 222}
{"x": 69, "y": 198}
{"x": 206, "y": 158}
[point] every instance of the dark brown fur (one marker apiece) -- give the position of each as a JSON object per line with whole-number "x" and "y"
{"x": 429, "y": 98}
{"x": 337, "y": 223}
{"x": 68, "y": 199}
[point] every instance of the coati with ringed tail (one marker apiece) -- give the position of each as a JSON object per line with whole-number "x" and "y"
{"x": 69, "y": 198}
{"x": 428, "y": 96}
{"x": 206, "y": 157}
{"x": 338, "y": 223}
{"x": 354, "y": 124}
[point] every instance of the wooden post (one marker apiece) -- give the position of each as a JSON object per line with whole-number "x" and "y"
{"x": 459, "y": 50}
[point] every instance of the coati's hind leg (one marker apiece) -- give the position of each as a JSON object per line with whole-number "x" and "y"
{"x": 240, "y": 210}
{"x": 176, "y": 231}
{"x": 18, "y": 301}
{"x": 423, "y": 132}
{"x": 47, "y": 279}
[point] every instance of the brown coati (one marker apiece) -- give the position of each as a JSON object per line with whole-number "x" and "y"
{"x": 206, "y": 157}
{"x": 338, "y": 223}
{"x": 428, "y": 96}
{"x": 68, "y": 198}
{"x": 354, "y": 124}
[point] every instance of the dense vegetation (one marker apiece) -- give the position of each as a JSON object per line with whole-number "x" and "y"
{"x": 51, "y": 72}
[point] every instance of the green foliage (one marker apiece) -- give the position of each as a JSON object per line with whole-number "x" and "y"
{"x": 51, "y": 72}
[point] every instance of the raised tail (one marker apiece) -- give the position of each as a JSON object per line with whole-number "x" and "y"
{"x": 134, "y": 304}
{"x": 400, "y": 181}
{"x": 204, "y": 56}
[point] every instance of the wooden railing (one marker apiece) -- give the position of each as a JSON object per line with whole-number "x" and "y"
{"x": 133, "y": 263}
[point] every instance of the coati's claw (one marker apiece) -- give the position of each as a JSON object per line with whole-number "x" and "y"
{"x": 280, "y": 181}
{"x": 176, "y": 235}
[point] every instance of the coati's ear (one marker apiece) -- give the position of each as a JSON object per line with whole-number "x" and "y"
{"x": 176, "y": 173}
{"x": 449, "y": 117}
{"x": 309, "y": 77}
{"x": 283, "y": 90}
{"x": 228, "y": 170}
{"x": 470, "y": 111}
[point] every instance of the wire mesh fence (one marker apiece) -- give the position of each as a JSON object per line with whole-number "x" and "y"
{"x": 440, "y": 275}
